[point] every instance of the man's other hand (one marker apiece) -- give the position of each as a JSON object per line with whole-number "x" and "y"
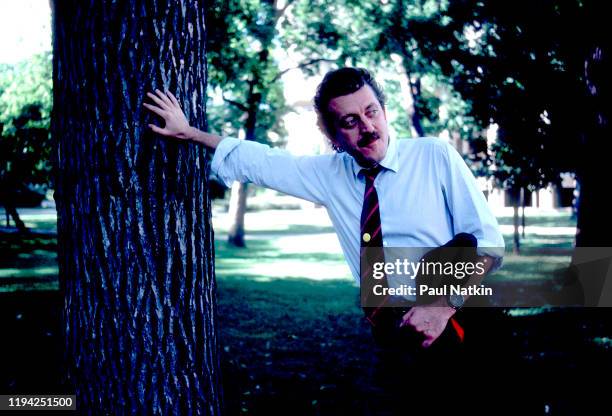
{"x": 430, "y": 321}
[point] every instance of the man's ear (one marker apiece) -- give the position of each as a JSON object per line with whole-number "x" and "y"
{"x": 328, "y": 133}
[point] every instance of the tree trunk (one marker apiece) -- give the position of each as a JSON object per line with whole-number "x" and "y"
{"x": 517, "y": 241}
{"x": 514, "y": 194}
{"x": 415, "y": 115}
{"x": 134, "y": 231}
{"x": 11, "y": 210}
{"x": 523, "y": 212}
{"x": 237, "y": 209}
{"x": 8, "y": 195}
{"x": 591, "y": 258}
{"x": 238, "y": 197}
{"x": 594, "y": 228}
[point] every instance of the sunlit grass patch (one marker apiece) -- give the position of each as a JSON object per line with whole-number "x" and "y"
{"x": 558, "y": 218}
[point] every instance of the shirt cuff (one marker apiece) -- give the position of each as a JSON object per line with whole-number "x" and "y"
{"x": 224, "y": 148}
{"x": 497, "y": 253}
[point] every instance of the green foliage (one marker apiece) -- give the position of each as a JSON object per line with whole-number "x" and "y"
{"x": 370, "y": 34}
{"x": 244, "y": 83}
{"x": 409, "y": 31}
{"x": 394, "y": 37}
{"x": 395, "y": 103}
{"x": 25, "y": 107}
{"x": 470, "y": 64}
{"x": 23, "y": 84}
{"x": 522, "y": 71}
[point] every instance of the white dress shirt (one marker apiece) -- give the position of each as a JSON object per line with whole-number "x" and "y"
{"x": 427, "y": 194}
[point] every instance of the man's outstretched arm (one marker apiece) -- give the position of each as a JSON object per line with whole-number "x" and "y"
{"x": 176, "y": 125}
{"x": 246, "y": 161}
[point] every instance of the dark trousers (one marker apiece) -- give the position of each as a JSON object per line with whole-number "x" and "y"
{"x": 449, "y": 376}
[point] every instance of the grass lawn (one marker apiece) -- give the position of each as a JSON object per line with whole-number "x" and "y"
{"x": 288, "y": 245}
{"x": 291, "y": 329}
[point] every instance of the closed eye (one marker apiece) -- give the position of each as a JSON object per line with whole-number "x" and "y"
{"x": 348, "y": 122}
{"x": 372, "y": 113}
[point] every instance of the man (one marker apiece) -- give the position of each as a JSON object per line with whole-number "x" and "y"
{"x": 424, "y": 193}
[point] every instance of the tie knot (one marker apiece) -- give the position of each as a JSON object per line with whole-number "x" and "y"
{"x": 371, "y": 173}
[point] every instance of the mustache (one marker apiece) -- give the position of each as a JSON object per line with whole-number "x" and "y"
{"x": 367, "y": 138}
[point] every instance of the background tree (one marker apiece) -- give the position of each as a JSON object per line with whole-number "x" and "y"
{"x": 134, "y": 231}
{"x": 506, "y": 64}
{"x": 593, "y": 227}
{"x": 404, "y": 29}
{"x": 25, "y": 107}
{"x": 522, "y": 72}
{"x": 242, "y": 68}
{"x": 247, "y": 77}
{"x": 519, "y": 71}
{"x": 387, "y": 37}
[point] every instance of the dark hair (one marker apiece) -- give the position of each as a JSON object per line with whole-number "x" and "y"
{"x": 341, "y": 82}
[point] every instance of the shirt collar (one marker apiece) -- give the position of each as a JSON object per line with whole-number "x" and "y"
{"x": 390, "y": 161}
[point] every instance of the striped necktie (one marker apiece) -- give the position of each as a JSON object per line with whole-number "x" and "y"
{"x": 371, "y": 245}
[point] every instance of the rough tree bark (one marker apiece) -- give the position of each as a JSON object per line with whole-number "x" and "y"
{"x": 134, "y": 231}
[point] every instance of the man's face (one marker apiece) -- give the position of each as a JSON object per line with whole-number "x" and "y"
{"x": 360, "y": 125}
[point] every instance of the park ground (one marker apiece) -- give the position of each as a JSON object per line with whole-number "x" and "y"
{"x": 291, "y": 331}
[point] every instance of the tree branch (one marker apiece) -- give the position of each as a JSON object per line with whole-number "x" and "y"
{"x": 236, "y": 104}
{"x": 281, "y": 12}
{"x": 300, "y": 66}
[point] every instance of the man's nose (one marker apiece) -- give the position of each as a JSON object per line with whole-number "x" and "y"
{"x": 366, "y": 125}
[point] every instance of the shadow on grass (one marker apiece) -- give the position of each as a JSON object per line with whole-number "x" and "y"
{"x": 28, "y": 262}
{"x": 14, "y": 244}
{"x": 293, "y": 345}
{"x": 32, "y": 343}
{"x": 301, "y": 346}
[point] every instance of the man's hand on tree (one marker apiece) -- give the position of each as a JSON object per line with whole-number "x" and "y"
{"x": 170, "y": 110}
{"x": 430, "y": 320}
{"x": 177, "y": 125}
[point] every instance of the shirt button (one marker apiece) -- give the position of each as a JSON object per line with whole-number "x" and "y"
{"x": 366, "y": 237}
